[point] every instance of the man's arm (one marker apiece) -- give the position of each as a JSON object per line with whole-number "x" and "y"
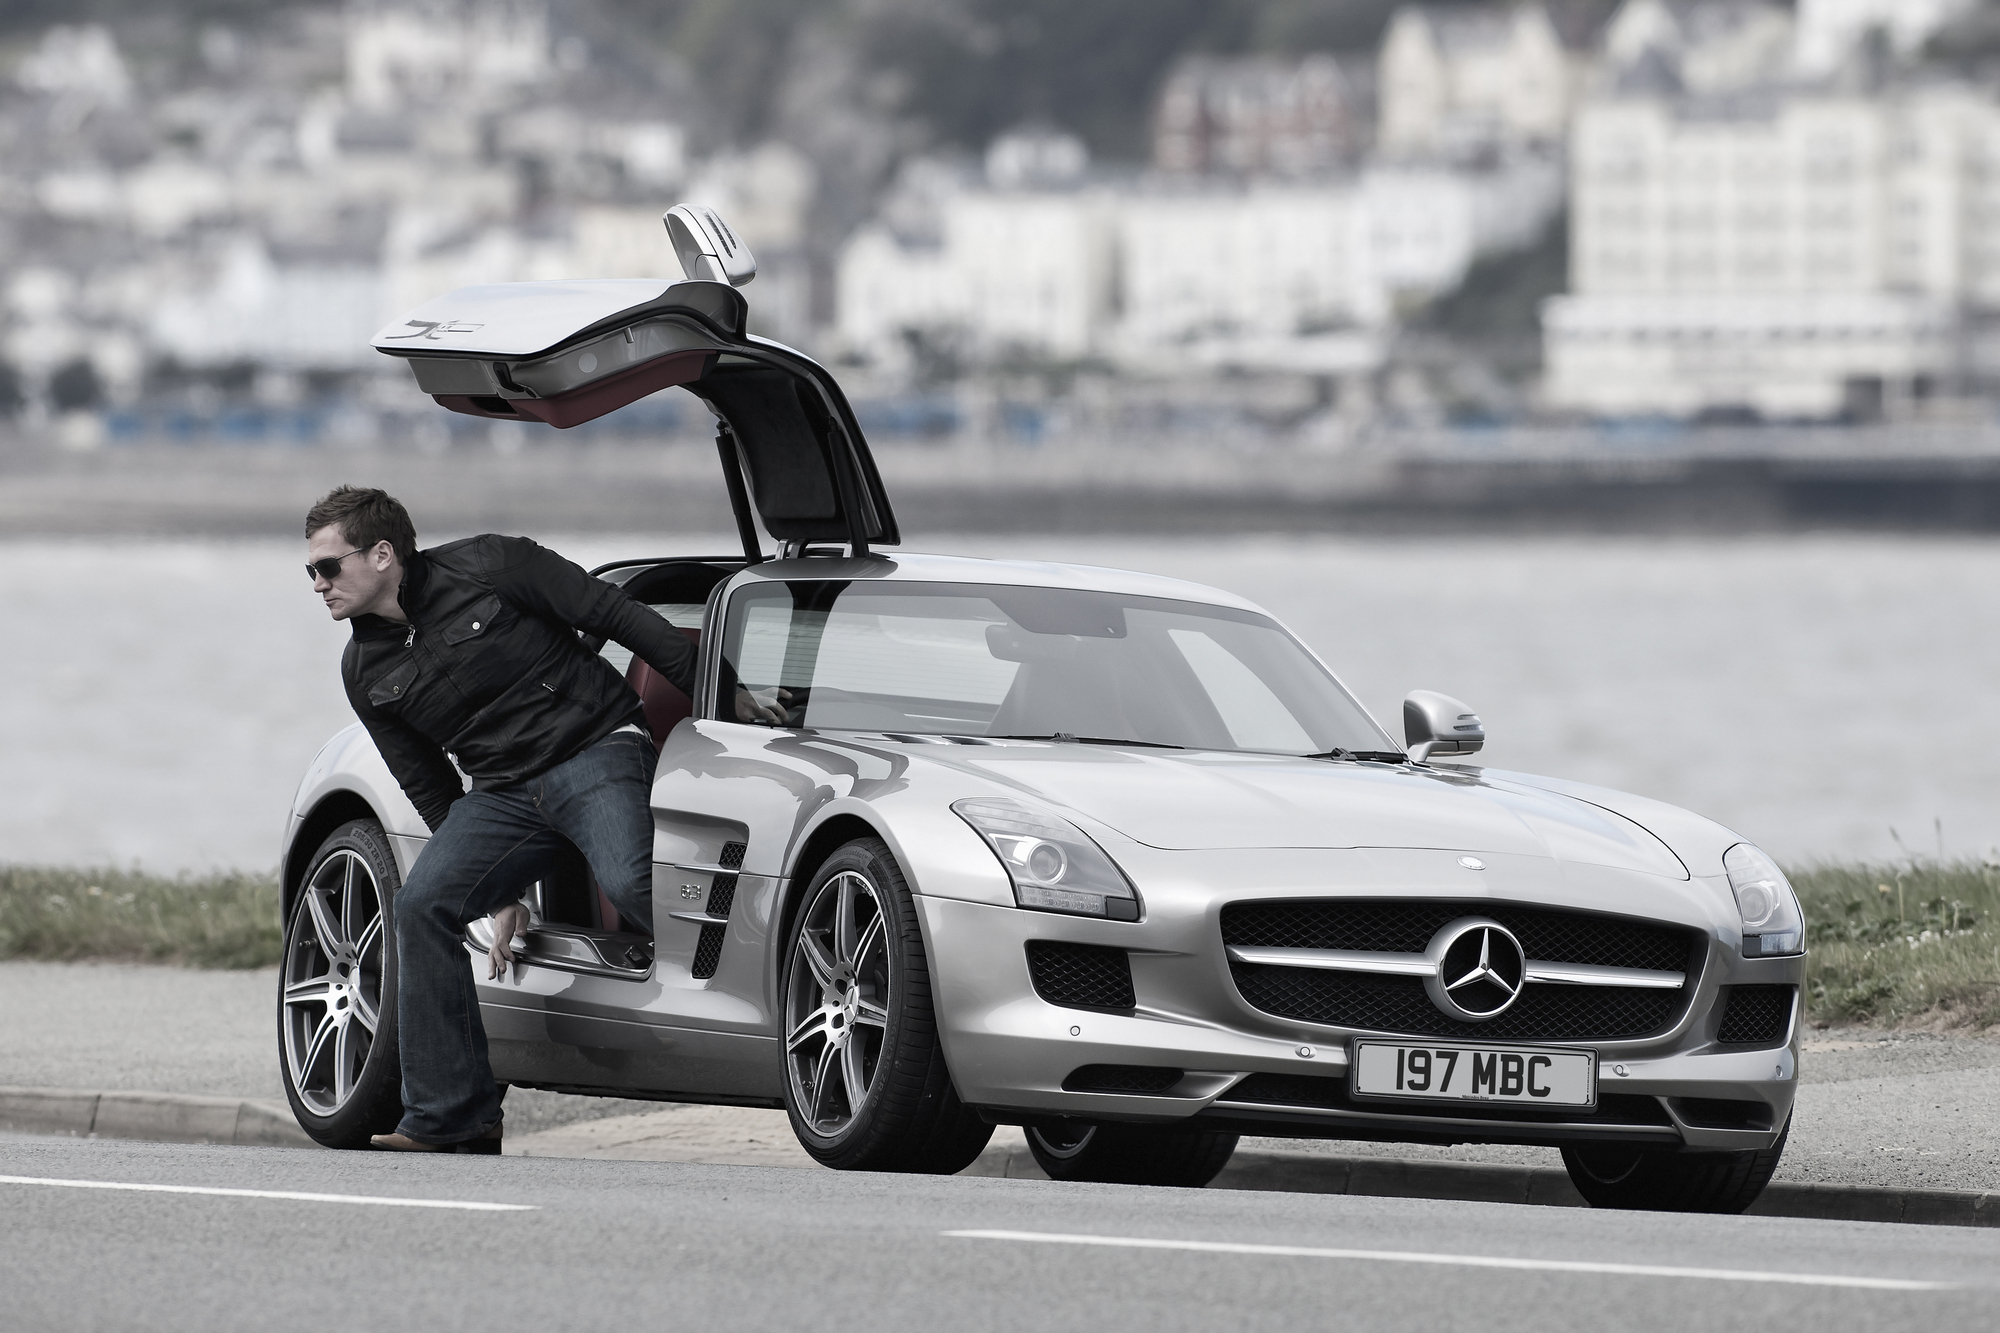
{"x": 541, "y": 582}
{"x": 418, "y": 763}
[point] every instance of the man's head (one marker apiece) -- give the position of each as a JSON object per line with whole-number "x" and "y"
{"x": 370, "y": 535}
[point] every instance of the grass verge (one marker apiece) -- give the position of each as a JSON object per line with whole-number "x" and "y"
{"x": 223, "y": 920}
{"x": 1909, "y": 944}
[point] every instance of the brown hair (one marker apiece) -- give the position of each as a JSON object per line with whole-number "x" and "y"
{"x": 366, "y": 516}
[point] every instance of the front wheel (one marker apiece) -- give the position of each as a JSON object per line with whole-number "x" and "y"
{"x": 866, "y": 1085}
{"x": 1129, "y": 1154}
{"x": 1662, "y": 1180}
{"x": 337, "y": 992}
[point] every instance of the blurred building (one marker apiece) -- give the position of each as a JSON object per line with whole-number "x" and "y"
{"x": 1830, "y": 32}
{"x": 1264, "y": 116}
{"x": 1457, "y": 80}
{"x": 1214, "y": 269}
{"x": 1745, "y": 239}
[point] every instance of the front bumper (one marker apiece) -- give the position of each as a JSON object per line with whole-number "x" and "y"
{"x": 1011, "y": 1051}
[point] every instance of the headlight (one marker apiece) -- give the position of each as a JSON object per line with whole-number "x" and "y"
{"x": 1053, "y": 863}
{"x": 1772, "y": 922}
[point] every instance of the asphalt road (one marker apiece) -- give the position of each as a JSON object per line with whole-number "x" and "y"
{"x": 622, "y": 1244}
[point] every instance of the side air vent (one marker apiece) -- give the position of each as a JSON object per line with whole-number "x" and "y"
{"x": 1722, "y": 1113}
{"x": 1080, "y": 976}
{"x": 721, "y": 897}
{"x": 1121, "y": 1078}
{"x": 1756, "y": 1015}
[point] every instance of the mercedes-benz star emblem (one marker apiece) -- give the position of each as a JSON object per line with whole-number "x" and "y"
{"x": 1479, "y": 969}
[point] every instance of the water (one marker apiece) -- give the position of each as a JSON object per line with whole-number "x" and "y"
{"x": 161, "y": 698}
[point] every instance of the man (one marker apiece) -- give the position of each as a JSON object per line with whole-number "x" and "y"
{"x": 469, "y": 651}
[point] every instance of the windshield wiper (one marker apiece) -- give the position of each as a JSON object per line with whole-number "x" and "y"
{"x": 1063, "y": 737}
{"x": 1367, "y": 756}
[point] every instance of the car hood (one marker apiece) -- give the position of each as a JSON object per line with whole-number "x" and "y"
{"x": 1196, "y": 801}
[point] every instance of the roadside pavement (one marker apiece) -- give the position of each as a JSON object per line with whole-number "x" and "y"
{"x": 1876, "y": 1109}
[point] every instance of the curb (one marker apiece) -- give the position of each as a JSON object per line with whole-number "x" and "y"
{"x": 156, "y": 1117}
{"x": 181, "y": 1118}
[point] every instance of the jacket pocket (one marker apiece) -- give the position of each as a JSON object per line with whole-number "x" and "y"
{"x": 394, "y": 686}
{"x": 475, "y": 621}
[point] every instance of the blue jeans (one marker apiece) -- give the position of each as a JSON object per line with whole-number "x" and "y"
{"x": 492, "y": 846}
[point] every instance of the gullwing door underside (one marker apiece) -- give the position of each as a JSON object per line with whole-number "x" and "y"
{"x": 563, "y": 353}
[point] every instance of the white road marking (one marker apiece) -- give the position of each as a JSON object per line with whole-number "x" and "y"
{"x": 1466, "y": 1260}
{"x": 294, "y": 1195}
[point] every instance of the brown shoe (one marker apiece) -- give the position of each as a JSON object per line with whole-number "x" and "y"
{"x": 404, "y": 1143}
{"x": 485, "y": 1145}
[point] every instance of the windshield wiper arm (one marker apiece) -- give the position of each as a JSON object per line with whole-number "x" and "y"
{"x": 1066, "y": 737}
{"x": 1375, "y": 756}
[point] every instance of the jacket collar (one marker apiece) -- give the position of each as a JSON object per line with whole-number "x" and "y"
{"x": 409, "y": 595}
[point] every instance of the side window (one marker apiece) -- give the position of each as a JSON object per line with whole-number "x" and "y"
{"x": 1257, "y": 719}
{"x": 869, "y": 657}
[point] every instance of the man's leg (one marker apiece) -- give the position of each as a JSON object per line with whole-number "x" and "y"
{"x": 491, "y": 847}
{"x": 599, "y": 801}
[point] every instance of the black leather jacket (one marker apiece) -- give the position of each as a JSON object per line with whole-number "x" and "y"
{"x": 490, "y": 669}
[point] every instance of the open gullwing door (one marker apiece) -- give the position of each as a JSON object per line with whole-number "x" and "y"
{"x": 563, "y": 353}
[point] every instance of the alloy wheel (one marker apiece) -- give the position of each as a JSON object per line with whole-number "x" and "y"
{"x": 332, "y": 983}
{"x": 837, "y": 1002}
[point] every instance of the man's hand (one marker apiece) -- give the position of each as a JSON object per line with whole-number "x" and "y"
{"x": 508, "y": 922}
{"x": 764, "y": 706}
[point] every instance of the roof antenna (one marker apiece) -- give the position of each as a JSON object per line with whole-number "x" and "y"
{"x": 707, "y": 249}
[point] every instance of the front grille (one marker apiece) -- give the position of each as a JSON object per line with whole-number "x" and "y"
{"x": 1755, "y": 1015}
{"x": 1330, "y": 1094}
{"x": 1377, "y": 1003}
{"x": 1121, "y": 1078}
{"x": 1080, "y": 976}
{"x": 721, "y": 897}
{"x": 1376, "y": 926}
{"x": 1374, "y": 1003}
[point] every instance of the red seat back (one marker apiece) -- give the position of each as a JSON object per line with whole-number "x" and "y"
{"x": 664, "y": 703}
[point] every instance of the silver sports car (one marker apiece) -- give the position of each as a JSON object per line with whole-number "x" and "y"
{"x": 1112, "y": 857}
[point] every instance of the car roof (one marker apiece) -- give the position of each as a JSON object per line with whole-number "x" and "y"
{"x": 910, "y": 566}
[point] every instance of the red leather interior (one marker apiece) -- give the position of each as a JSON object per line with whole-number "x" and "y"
{"x": 665, "y": 704}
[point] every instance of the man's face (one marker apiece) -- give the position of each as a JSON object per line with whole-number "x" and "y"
{"x": 367, "y": 581}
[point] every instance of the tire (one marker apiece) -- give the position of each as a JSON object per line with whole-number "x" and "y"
{"x": 1129, "y": 1154}
{"x": 337, "y": 992}
{"x": 1662, "y": 1180}
{"x": 866, "y": 1085}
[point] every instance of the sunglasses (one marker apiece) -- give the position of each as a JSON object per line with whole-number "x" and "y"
{"x": 328, "y": 568}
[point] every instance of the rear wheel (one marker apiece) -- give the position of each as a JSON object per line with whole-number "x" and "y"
{"x": 1661, "y": 1180}
{"x": 337, "y": 992}
{"x": 1129, "y": 1154}
{"x": 865, "y": 1079}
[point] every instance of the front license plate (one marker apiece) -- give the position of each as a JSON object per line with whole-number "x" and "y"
{"x": 1523, "y": 1074}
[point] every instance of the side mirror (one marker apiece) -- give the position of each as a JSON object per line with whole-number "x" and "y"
{"x": 1436, "y": 723}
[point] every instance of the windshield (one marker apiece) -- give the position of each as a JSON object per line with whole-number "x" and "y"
{"x": 992, "y": 660}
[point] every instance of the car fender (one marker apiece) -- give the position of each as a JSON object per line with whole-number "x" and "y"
{"x": 349, "y": 767}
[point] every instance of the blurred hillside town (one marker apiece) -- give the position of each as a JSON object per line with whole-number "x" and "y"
{"x": 1652, "y": 215}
